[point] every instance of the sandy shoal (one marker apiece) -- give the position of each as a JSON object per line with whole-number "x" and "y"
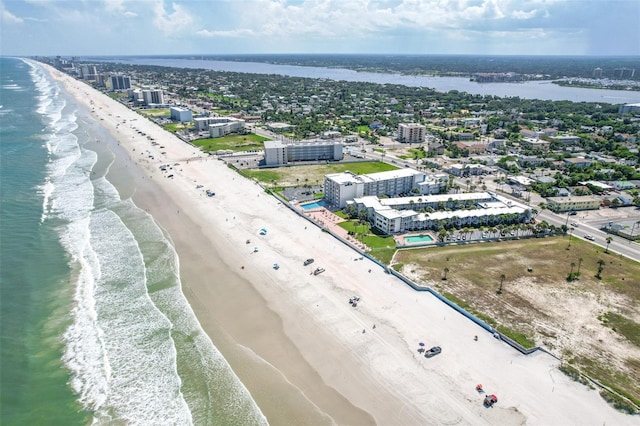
{"x": 303, "y": 352}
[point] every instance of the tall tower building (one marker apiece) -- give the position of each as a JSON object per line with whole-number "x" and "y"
{"x": 120, "y": 82}
{"x": 153, "y": 97}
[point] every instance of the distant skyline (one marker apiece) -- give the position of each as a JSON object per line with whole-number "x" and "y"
{"x": 479, "y": 27}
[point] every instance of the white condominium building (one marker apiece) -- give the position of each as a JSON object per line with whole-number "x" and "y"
{"x": 411, "y": 132}
{"x": 341, "y": 187}
{"x": 394, "y": 215}
{"x": 232, "y": 125}
{"x": 203, "y": 123}
{"x": 277, "y": 153}
{"x": 153, "y": 97}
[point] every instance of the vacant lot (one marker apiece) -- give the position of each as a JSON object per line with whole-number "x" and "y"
{"x": 248, "y": 142}
{"x": 313, "y": 174}
{"x": 591, "y": 324}
{"x": 158, "y": 112}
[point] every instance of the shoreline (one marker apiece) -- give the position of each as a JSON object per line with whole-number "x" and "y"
{"x": 305, "y": 355}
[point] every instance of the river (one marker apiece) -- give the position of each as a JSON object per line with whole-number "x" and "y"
{"x": 544, "y": 90}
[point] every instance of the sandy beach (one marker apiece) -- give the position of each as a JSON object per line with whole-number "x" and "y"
{"x": 303, "y": 352}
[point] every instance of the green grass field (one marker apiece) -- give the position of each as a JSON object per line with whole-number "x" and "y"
{"x": 313, "y": 174}
{"x": 174, "y": 127}
{"x": 248, "y": 142}
{"x": 158, "y": 112}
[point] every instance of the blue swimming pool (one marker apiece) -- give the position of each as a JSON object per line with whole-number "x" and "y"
{"x": 418, "y": 239}
{"x": 314, "y": 205}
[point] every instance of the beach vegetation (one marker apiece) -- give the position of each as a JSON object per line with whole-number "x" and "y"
{"x": 263, "y": 176}
{"x": 118, "y": 95}
{"x": 618, "y": 402}
{"x": 622, "y": 325}
{"x": 383, "y": 255}
{"x": 247, "y": 142}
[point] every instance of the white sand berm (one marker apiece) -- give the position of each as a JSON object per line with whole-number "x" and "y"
{"x": 303, "y": 352}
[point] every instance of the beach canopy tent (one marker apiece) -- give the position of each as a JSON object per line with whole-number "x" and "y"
{"x": 263, "y": 231}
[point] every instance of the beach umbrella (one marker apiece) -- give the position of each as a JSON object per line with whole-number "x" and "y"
{"x": 421, "y": 344}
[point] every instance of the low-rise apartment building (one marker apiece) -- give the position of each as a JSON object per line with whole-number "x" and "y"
{"x": 574, "y": 203}
{"x": 432, "y": 212}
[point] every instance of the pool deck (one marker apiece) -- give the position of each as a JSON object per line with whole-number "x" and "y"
{"x": 402, "y": 242}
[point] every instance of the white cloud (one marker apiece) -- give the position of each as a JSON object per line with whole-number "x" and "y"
{"x": 8, "y": 17}
{"x": 171, "y": 23}
{"x": 364, "y": 18}
{"x": 118, "y": 7}
{"x": 230, "y": 33}
{"x": 114, "y": 5}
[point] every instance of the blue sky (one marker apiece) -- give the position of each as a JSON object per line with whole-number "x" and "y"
{"x": 505, "y": 27}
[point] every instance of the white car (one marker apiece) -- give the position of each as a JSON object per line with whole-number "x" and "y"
{"x": 575, "y": 225}
{"x": 589, "y": 237}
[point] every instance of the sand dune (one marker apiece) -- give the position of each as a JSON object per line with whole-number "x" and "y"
{"x": 305, "y": 354}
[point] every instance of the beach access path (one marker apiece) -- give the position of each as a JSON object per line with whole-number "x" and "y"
{"x": 305, "y": 354}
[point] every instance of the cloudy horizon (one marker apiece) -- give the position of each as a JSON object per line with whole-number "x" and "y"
{"x": 481, "y": 27}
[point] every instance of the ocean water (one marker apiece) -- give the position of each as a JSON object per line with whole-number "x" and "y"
{"x": 95, "y": 328}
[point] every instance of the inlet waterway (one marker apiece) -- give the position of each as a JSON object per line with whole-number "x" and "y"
{"x": 544, "y": 90}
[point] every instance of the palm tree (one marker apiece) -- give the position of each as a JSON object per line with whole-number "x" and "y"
{"x": 446, "y": 271}
{"x": 609, "y": 239}
{"x": 579, "y": 264}
{"x": 600, "y": 268}
{"x": 502, "y": 277}
{"x": 570, "y": 278}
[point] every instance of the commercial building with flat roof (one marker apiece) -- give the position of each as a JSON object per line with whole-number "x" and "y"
{"x": 567, "y": 204}
{"x": 181, "y": 114}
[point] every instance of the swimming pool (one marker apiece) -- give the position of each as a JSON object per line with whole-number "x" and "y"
{"x": 314, "y": 205}
{"x": 418, "y": 239}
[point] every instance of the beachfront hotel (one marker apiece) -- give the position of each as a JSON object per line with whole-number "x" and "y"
{"x": 278, "y": 153}
{"x": 431, "y": 212}
{"x": 341, "y": 187}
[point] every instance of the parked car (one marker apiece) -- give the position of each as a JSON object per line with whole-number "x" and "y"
{"x": 308, "y": 262}
{"x": 432, "y": 352}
